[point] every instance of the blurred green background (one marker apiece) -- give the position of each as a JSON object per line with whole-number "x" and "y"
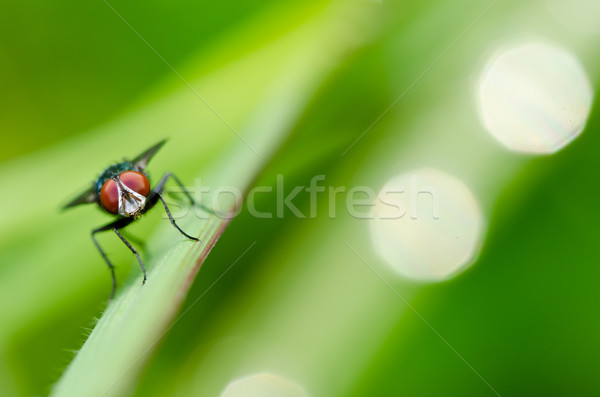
{"x": 82, "y": 89}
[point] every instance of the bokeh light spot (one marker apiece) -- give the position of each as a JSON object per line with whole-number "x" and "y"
{"x": 263, "y": 385}
{"x": 534, "y": 97}
{"x": 426, "y": 225}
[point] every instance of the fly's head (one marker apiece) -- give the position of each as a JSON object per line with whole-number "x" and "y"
{"x": 125, "y": 194}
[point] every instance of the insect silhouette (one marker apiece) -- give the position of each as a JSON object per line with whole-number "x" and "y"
{"x": 123, "y": 189}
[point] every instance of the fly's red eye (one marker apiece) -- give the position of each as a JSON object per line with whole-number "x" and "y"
{"x": 109, "y": 196}
{"x": 136, "y": 181}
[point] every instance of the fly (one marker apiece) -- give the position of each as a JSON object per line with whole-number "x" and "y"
{"x": 123, "y": 190}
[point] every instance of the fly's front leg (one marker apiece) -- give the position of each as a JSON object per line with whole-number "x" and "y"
{"x": 161, "y": 185}
{"x": 113, "y": 225}
{"x": 116, "y": 230}
{"x": 156, "y": 195}
{"x": 173, "y": 220}
{"x": 133, "y": 239}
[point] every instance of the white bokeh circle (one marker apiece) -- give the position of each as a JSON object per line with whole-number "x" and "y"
{"x": 534, "y": 97}
{"x": 426, "y": 225}
{"x": 263, "y": 385}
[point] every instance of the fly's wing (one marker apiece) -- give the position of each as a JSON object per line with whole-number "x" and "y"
{"x": 87, "y": 197}
{"x": 141, "y": 161}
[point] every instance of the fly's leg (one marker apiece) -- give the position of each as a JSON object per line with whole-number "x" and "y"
{"x": 156, "y": 195}
{"x": 133, "y": 239}
{"x": 123, "y": 239}
{"x": 173, "y": 220}
{"x": 161, "y": 185}
{"x": 111, "y": 226}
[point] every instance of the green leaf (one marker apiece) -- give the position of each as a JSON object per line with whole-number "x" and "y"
{"x": 257, "y": 123}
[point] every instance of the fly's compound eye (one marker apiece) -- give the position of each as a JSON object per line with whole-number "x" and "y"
{"x": 109, "y": 196}
{"x": 136, "y": 181}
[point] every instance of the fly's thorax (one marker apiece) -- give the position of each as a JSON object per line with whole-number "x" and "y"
{"x": 113, "y": 171}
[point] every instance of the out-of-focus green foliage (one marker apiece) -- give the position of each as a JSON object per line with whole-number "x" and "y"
{"x": 300, "y": 83}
